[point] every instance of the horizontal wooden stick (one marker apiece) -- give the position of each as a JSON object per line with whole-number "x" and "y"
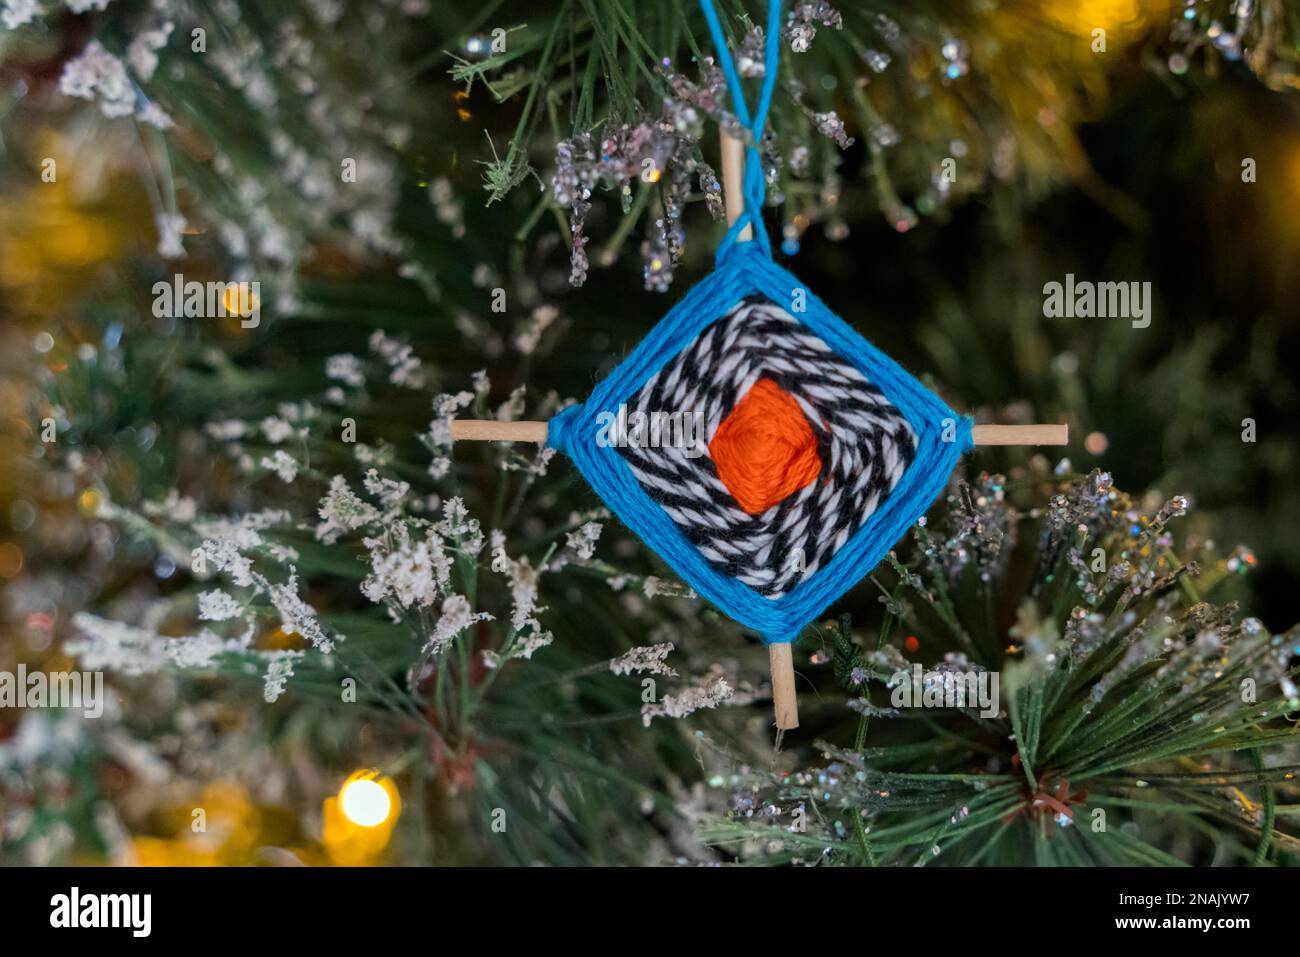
{"x": 490, "y": 430}
{"x": 1039, "y": 434}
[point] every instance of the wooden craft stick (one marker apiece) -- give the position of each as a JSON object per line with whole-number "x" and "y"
{"x": 786, "y": 705}
{"x": 733, "y": 182}
{"x": 1039, "y": 434}
{"x": 490, "y": 430}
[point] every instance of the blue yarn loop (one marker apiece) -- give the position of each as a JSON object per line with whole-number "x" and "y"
{"x": 942, "y": 437}
{"x": 560, "y": 429}
{"x": 754, "y": 186}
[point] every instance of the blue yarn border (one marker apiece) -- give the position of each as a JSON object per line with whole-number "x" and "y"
{"x": 746, "y": 269}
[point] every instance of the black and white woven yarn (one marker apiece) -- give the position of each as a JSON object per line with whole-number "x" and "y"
{"x": 864, "y": 443}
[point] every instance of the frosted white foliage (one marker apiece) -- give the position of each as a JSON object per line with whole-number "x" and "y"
{"x": 279, "y": 669}
{"x": 342, "y": 510}
{"x": 282, "y": 464}
{"x": 583, "y": 541}
{"x": 171, "y": 227}
{"x": 411, "y": 573}
{"x": 98, "y": 75}
{"x": 522, "y": 578}
{"x": 704, "y": 694}
{"x": 142, "y": 53}
{"x": 345, "y": 368}
{"x": 217, "y": 605}
{"x": 645, "y": 659}
{"x": 14, "y": 13}
{"x": 457, "y": 615}
{"x": 108, "y": 645}
{"x": 297, "y": 617}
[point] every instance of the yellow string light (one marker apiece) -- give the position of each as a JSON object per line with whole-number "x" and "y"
{"x": 359, "y": 820}
{"x": 364, "y": 802}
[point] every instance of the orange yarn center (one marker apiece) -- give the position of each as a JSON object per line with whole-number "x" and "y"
{"x": 765, "y": 450}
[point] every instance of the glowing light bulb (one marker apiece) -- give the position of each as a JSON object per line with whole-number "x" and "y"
{"x": 89, "y": 502}
{"x": 365, "y": 802}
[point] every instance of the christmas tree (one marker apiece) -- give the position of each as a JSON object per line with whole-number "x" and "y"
{"x": 256, "y": 259}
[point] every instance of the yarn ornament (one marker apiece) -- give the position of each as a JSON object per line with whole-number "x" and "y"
{"x": 763, "y": 448}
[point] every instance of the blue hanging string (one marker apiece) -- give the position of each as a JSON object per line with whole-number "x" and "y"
{"x": 754, "y": 185}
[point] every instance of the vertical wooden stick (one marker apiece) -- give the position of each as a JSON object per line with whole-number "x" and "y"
{"x": 733, "y": 181}
{"x": 781, "y": 658}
